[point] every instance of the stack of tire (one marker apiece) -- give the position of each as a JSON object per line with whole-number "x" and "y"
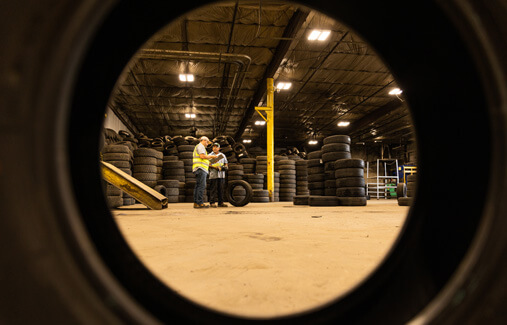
{"x": 277, "y": 159}
{"x": 405, "y": 193}
{"x": 256, "y": 181}
{"x": 316, "y": 175}
{"x": 119, "y": 156}
{"x": 329, "y": 179}
{"x": 146, "y": 162}
{"x": 335, "y": 147}
{"x": 170, "y": 189}
{"x": 287, "y": 180}
{"x": 260, "y": 196}
{"x": 235, "y": 172}
{"x": 350, "y": 183}
{"x": 248, "y": 165}
{"x": 276, "y": 190}
{"x": 302, "y": 177}
{"x": 229, "y": 154}
{"x": 185, "y": 154}
{"x": 174, "y": 170}
{"x": 261, "y": 165}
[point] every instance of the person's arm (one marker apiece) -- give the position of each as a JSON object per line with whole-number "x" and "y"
{"x": 203, "y": 154}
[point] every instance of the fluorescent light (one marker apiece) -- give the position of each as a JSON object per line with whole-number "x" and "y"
{"x": 312, "y": 142}
{"x": 343, "y": 123}
{"x": 283, "y": 85}
{"x": 247, "y": 141}
{"x": 187, "y": 77}
{"x": 314, "y": 35}
{"x": 260, "y": 122}
{"x": 395, "y": 91}
{"x": 324, "y": 35}
{"x": 190, "y": 115}
{"x": 320, "y": 35}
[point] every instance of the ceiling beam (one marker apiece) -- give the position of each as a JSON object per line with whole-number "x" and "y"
{"x": 293, "y": 27}
{"x": 374, "y": 116}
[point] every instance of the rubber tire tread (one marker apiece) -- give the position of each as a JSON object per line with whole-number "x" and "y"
{"x": 238, "y": 203}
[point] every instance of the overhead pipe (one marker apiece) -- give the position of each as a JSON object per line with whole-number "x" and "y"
{"x": 240, "y": 60}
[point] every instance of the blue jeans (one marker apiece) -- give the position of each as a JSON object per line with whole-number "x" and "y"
{"x": 200, "y": 185}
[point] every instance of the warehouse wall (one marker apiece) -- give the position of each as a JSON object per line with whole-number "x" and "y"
{"x": 111, "y": 121}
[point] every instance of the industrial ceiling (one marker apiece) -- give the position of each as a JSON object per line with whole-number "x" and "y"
{"x": 231, "y": 48}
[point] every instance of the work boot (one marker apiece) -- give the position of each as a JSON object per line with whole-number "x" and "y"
{"x": 200, "y": 206}
{"x": 223, "y": 205}
{"x": 213, "y": 205}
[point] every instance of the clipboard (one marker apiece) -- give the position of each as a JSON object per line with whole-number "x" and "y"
{"x": 217, "y": 158}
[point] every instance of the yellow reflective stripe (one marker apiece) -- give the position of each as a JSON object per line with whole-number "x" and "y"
{"x": 198, "y": 162}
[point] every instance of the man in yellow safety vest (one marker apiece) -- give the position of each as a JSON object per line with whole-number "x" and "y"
{"x": 200, "y": 168}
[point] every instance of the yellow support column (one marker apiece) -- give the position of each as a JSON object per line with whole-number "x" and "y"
{"x": 270, "y": 136}
{"x": 271, "y": 139}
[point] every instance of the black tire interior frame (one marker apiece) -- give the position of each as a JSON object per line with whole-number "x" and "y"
{"x": 450, "y": 247}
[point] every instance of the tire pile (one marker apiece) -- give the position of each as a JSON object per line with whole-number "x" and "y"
{"x": 256, "y": 181}
{"x": 248, "y": 165}
{"x": 170, "y": 189}
{"x": 302, "y": 178}
{"x": 120, "y": 156}
{"x": 185, "y": 154}
{"x": 174, "y": 172}
{"x": 350, "y": 183}
{"x": 261, "y": 165}
{"x": 260, "y": 196}
{"x": 146, "y": 166}
{"x": 235, "y": 172}
{"x": 405, "y": 193}
{"x": 276, "y": 190}
{"x": 287, "y": 180}
{"x": 232, "y": 150}
{"x": 315, "y": 173}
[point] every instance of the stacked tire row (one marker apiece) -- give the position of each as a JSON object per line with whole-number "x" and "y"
{"x": 315, "y": 173}
{"x": 248, "y": 165}
{"x": 232, "y": 150}
{"x": 174, "y": 171}
{"x": 405, "y": 193}
{"x": 260, "y": 196}
{"x": 287, "y": 180}
{"x": 256, "y": 181}
{"x": 185, "y": 154}
{"x": 302, "y": 177}
{"x": 329, "y": 179}
{"x": 146, "y": 162}
{"x": 235, "y": 172}
{"x": 276, "y": 196}
{"x": 261, "y": 165}
{"x": 119, "y": 156}
{"x": 336, "y": 147}
{"x": 350, "y": 183}
{"x": 170, "y": 189}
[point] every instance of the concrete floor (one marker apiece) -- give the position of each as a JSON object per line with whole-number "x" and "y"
{"x": 264, "y": 259}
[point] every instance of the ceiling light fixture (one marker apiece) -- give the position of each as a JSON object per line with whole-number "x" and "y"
{"x": 319, "y": 35}
{"x": 343, "y": 123}
{"x": 395, "y": 91}
{"x": 247, "y": 141}
{"x": 187, "y": 77}
{"x": 313, "y": 142}
{"x": 260, "y": 122}
{"x": 190, "y": 115}
{"x": 283, "y": 85}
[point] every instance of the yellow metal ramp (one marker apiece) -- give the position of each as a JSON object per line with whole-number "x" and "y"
{"x": 133, "y": 187}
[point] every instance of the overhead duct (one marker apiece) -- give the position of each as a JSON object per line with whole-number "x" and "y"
{"x": 241, "y": 61}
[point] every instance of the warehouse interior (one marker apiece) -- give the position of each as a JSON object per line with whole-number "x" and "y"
{"x": 204, "y": 75}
